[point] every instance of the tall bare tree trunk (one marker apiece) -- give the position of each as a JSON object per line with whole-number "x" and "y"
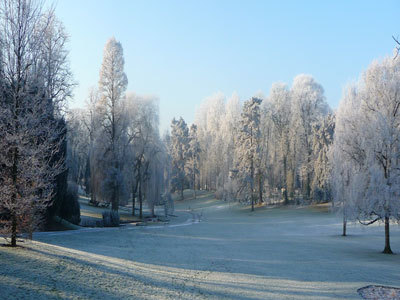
{"x": 260, "y": 188}
{"x": 134, "y": 190}
{"x": 14, "y": 231}
{"x": 182, "y": 190}
{"x": 194, "y": 185}
{"x": 344, "y": 225}
{"x": 14, "y": 196}
{"x": 252, "y": 185}
{"x": 387, "y": 249}
{"x": 285, "y": 194}
{"x": 140, "y": 200}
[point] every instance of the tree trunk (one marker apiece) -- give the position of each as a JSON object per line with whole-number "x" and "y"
{"x": 194, "y": 185}
{"x": 260, "y": 189}
{"x": 285, "y": 193}
{"x": 114, "y": 199}
{"x": 13, "y": 231}
{"x": 387, "y": 249}
{"x": 115, "y": 193}
{"x": 344, "y": 225}
{"x": 252, "y": 183}
{"x": 14, "y": 199}
{"x": 140, "y": 201}
{"x": 182, "y": 191}
{"x": 134, "y": 190}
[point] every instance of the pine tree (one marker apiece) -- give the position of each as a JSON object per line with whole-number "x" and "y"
{"x": 179, "y": 147}
{"x": 192, "y": 164}
{"x": 248, "y": 147}
{"x": 112, "y": 86}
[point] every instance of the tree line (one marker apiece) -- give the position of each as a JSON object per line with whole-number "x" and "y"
{"x": 269, "y": 146}
{"x": 291, "y": 146}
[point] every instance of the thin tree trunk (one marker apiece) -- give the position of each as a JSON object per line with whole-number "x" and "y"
{"x": 13, "y": 231}
{"x": 387, "y": 249}
{"x": 182, "y": 190}
{"x": 252, "y": 185}
{"x": 344, "y": 225}
{"x": 285, "y": 193}
{"x": 140, "y": 201}
{"x": 194, "y": 185}
{"x": 114, "y": 204}
{"x": 14, "y": 199}
{"x": 134, "y": 190}
{"x": 260, "y": 189}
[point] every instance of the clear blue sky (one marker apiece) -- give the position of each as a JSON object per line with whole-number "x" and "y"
{"x": 183, "y": 51}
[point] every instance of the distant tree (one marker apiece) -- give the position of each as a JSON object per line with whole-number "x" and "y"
{"x": 179, "y": 146}
{"x": 192, "y": 165}
{"x": 248, "y": 147}
{"x": 308, "y": 107}
{"x": 281, "y": 116}
{"x": 210, "y": 127}
{"x": 143, "y": 146}
{"x": 322, "y": 140}
{"x": 112, "y": 86}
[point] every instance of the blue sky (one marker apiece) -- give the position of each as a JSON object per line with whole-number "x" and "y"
{"x": 183, "y": 51}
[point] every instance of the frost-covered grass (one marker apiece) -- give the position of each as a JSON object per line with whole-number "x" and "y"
{"x": 279, "y": 253}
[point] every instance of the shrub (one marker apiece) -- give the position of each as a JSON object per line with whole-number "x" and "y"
{"x": 219, "y": 194}
{"x": 110, "y": 218}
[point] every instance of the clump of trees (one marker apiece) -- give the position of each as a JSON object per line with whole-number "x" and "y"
{"x": 35, "y": 81}
{"x": 290, "y": 145}
{"x": 115, "y": 150}
{"x": 271, "y": 147}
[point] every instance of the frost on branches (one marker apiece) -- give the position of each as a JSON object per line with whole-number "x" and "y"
{"x": 367, "y": 144}
{"x": 248, "y": 148}
{"x": 179, "y": 147}
{"x": 29, "y": 131}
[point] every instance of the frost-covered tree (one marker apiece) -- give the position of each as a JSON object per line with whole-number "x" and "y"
{"x": 229, "y": 128}
{"x": 280, "y": 114}
{"x": 368, "y": 139}
{"x": 248, "y": 148}
{"x": 179, "y": 146}
{"x": 92, "y": 121}
{"x": 209, "y": 120}
{"x": 30, "y": 133}
{"x": 78, "y": 146}
{"x": 144, "y": 149}
{"x": 112, "y": 86}
{"x": 192, "y": 160}
{"x": 322, "y": 139}
{"x": 308, "y": 107}
{"x": 53, "y": 61}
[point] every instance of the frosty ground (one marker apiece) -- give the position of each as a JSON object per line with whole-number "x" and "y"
{"x": 273, "y": 253}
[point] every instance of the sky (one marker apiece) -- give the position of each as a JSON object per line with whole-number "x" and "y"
{"x": 184, "y": 51}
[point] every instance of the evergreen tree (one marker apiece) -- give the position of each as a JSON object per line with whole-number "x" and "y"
{"x": 179, "y": 147}
{"x": 248, "y": 148}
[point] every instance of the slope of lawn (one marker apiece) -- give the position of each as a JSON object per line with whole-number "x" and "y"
{"x": 272, "y": 253}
